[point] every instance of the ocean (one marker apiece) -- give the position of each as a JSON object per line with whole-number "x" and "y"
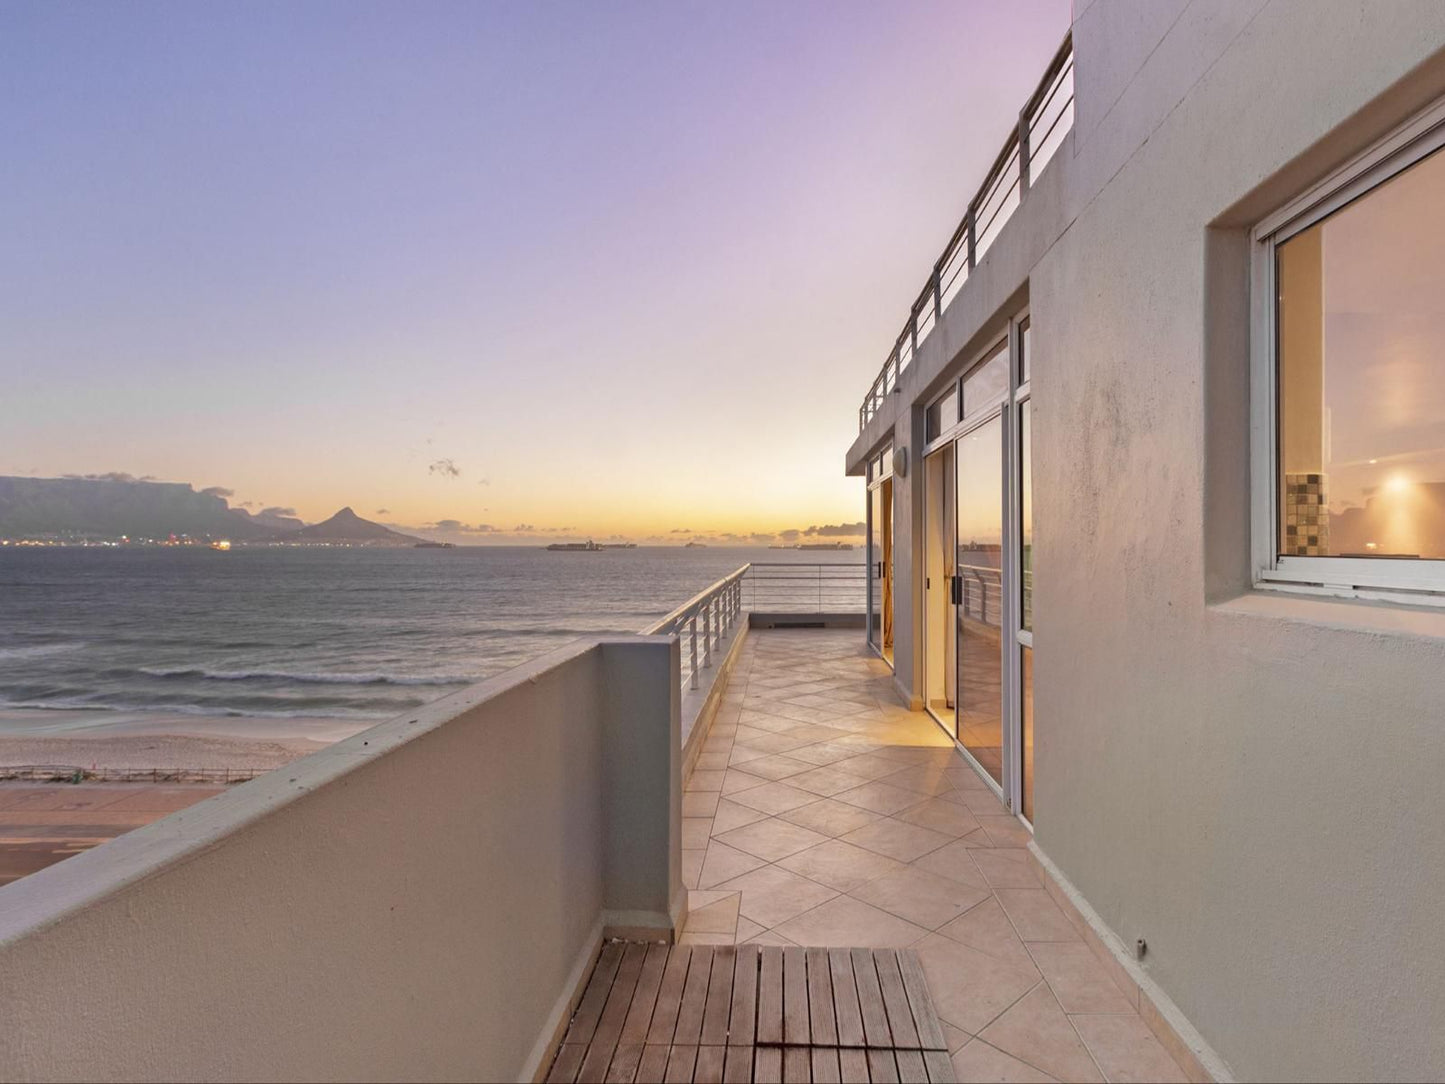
{"x": 343, "y": 633}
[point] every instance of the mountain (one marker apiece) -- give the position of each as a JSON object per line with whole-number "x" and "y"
{"x": 347, "y": 526}
{"x": 112, "y": 508}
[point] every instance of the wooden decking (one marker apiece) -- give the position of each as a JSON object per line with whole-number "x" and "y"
{"x": 654, "y": 1013}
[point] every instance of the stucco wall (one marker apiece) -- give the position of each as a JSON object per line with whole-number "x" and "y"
{"x": 1252, "y": 783}
{"x": 413, "y": 903}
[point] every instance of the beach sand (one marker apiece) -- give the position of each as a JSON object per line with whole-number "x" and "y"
{"x": 116, "y": 739}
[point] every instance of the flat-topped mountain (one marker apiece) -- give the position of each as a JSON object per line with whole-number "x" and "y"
{"x": 110, "y": 508}
{"x": 347, "y": 526}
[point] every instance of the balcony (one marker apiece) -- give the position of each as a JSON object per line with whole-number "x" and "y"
{"x": 427, "y": 899}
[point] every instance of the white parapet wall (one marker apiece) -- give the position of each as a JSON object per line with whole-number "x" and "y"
{"x": 417, "y": 902}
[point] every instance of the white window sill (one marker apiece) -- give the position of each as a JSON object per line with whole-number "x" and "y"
{"x": 1353, "y": 615}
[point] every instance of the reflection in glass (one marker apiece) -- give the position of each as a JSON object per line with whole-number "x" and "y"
{"x": 1026, "y": 512}
{"x": 1026, "y": 356}
{"x": 1361, "y": 332}
{"x": 939, "y": 633}
{"x": 941, "y": 415}
{"x": 987, "y": 382}
{"x": 980, "y": 614}
{"x": 1026, "y": 710}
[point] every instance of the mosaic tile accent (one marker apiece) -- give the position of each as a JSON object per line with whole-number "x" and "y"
{"x": 1306, "y": 516}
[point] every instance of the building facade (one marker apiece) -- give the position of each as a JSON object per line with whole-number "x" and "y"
{"x": 1171, "y": 403}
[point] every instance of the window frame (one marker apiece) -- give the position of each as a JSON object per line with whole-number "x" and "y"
{"x": 1407, "y": 580}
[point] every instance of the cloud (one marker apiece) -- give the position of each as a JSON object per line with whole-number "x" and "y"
{"x": 112, "y": 476}
{"x": 278, "y": 511}
{"x": 456, "y": 526}
{"x": 382, "y": 512}
{"x": 446, "y": 468}
{"x": 838, "y": 530}
{"x": 523, "y": 528}
{"x": 484, "y": 482}
{"x": 681, "y": 530}
{"x": 761, "y": 537}
{"x": 790, "y": 535}
{"x": 218, "y": 491}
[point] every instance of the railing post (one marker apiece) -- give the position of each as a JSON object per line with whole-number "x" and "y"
{"x": 972, "y": 240}
{"x": 1023, "y": 154}
{"x": 913, "y": 327}
{"x": 937, "y": 294}
{"x": 707, "y": 634}
{"x": 692, "y": 634}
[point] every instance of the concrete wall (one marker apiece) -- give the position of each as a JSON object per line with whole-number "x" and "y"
{"x": 417, "y": 902}
{"x": 1253, "y": 783}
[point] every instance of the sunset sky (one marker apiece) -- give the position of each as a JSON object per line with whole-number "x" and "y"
{"x": 607, "y": 269}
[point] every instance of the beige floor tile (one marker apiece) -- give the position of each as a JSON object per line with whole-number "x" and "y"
{"x": 846, "y": 922}
{"x": 1077, "y": 978}
{"x": 724, "y": 863}
{"x": 776, "y": 766}
{"x": 840, "y": 865}
{"x": 730, "y": 815}
{"x": 922, "y": 898}
{"x": 1005, "y": 831}
{"x": 987, "y": 929}
{"x": 1126, "y": 1049}
{"x": 830, "y": 817}
{"x": 1035, "y": 915}
{"x": 821, "y": 755}
{"x": 1006, "y": 867}
{"x": 868, "y": 765}
{"x": 954, "y": 1037}
{"x": 772, "y": 839}
{"x": 699, "y": 803}
{"x": 879, "y": 797}
{"x": 905, "y": 842}
{"x": 692, "y": 867}
{"x": 767, "y": 742}
{"x": 979, "y": 1062}
{"x": 695, "y": 832}
{"x": 942, "y": 816}
{"x": 772, "y": 895}
{"x": 970, "y": 989}
{"x": 748, "y": 930}
{"x": 954, "y": 861}
{"x": 924, "y": 780}
{"x": 736, "y": 779}
{"x": 774, "y": 798}
{"x": 1036, "y": 1031}
{"x": 689, "y": 937}
{"x": 741, "y": 754}
{"x": 701, "y": 780}
{"x": 712, "y": 912}
{"x": 826, "y": 781}
{"x": 708, "y": 762}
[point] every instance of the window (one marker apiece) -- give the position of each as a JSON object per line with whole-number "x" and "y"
{"x": 942, "y": 414}
{"x": 1356, "y": 344}
{"x": 987, "y": 382}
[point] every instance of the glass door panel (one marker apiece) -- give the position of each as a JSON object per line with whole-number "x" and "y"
{"x": 886, "y": 508}
{"x": 979, "y": 564}
{"x": 940, "y": 624}
{"x": 875, "y": 567}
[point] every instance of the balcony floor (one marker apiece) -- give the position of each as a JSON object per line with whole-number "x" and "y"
{"x": 823, "y": 813}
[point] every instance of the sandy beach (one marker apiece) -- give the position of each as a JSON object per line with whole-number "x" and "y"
{"x": 117, "y": 739}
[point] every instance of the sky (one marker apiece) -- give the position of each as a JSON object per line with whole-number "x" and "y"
{"x": 586, "y": 269}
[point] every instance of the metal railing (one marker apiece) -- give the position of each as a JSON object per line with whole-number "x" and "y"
{"x": 981, "y": 593}
{"x": 1042, "y": 124}
{"x": 71, "y": 773}
{"x": 712, "y": 612}
{"x": 798, "y": 587}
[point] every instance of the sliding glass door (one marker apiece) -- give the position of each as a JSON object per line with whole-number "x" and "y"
{"x": 880, "y": 556}
{"x": 940, "y": 629}
{"x": 980, "y": 610}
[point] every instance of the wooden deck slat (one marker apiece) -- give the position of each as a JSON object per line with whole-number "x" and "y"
{"x": 797, "y": 1065}
{"x": 853, "y": 1064}
{"x": 925, "y": 1016}
{"x": 644, "y": 998}
{"x": 845, "y": 998}
{"x": 870, "y": 1000}
{"x": 589, "y": 1009}
{"x": 940, "y": 1068}
{"x": 694, "y": 999}
{"x": 623, "y": 1067}
{"x": 680, "y": 1064}
{"x": 715, "y": 1014}
{"x": 738, "y": 1069}
{"x": 614, "y": 1013}
{"x": 882, "y": 1069}
{"x": 910, "y": 1067}
{"x": 719, "y": 999}
{"x": 653, "y": 1066}
{"x": 768, "y": 1065}
{"x": 825, "y": 1065}
{"x": 669, "y": 997}
{"x": 770, "y": 996}
{"x": 568, "y": 1061}
{"x": 900, "y": 1016}
{"x": 795, "y": 999}
{"x": 742, "y": 1029}
{"x": 821, "y": 1017}
{"x": 709, "y": 1068}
